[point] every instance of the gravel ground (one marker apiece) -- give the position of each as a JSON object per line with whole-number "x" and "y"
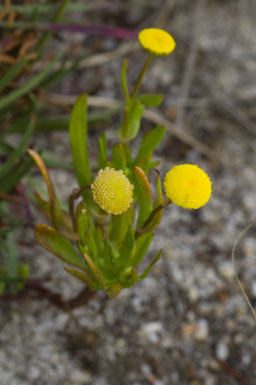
{"x": 188, "y": 322}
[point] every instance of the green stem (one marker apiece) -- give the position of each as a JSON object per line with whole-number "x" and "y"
{"x": 77, "y": 193}
{"x": 142, "y": 73}
{"x": 131, "y": 99}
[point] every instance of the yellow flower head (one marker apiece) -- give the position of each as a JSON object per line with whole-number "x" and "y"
{"x": 156, "y": 41}
{"x": 112, "y": 191}
{"x": 188, "y": 186}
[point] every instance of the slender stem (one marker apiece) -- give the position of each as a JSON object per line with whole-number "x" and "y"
{"x": 76, "y": 194}
{"x": 131, "y": 99}
{"x": 142, "y": 73}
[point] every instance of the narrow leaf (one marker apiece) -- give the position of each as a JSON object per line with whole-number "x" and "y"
{"x": 78, "y": 141}
{"x": 10, "y": 75}
{"x": 29, "y": 86}
{"x": 120, "y": 225}
{"x": 102, "y": 154}
{"x": 127, "y": 249}
{"x": 149, "y": 142}
{"x": 151, "y": 100}
{"x": 114, "y": 290}
{"x": 81, "y": 221}
{"x": 124, "y": 81}
{"x": 118, "y": 157}
{"x": 19, "y": 150}
{"x": 133, "y": 119}
{"x": 143, "y": 193}
{"x": 147, "y": 271}
{"x": 141, "y": 247}
{"x": 58, "y": 245}
{"x": 53, "y": 200}
{"x": 94, "y": 270}
{"x": 85, "y": 278}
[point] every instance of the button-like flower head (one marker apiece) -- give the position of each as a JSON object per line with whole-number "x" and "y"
{"x": 156, "y": 41}
{"x": 188, "y": 186}
{"x": 112, "y": 191}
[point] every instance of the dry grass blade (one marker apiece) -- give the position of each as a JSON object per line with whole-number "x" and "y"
{"x": 98, "y": 59}
{"x": 5, "y": 9}
{"x": 235, "y": 274}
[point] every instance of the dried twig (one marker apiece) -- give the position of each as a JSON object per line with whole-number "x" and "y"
{"x": 235, "y": 274}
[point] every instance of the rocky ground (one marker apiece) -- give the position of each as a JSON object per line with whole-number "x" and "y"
{"x": 188, "y": 322}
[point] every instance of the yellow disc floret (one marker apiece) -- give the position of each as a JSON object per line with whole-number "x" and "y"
{"x": 112, "y": 191}
{"x": 188, "y": 186}
{"x": 156, "y": 41}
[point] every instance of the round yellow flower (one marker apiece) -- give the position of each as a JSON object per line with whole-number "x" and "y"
{"x": 188, "y": 186}
{"x": 112, "y": 191}
{"x": 156, "y": 41}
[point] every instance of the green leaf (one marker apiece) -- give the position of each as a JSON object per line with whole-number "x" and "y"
{"x": 81, "y": 221}
{"x": 120, "y": 225}
{"x": 134, "y": 112}
{"x": 91, "y": 243}
{"x": 19, "y": 150}
{"x": 94, "y": 270}
{"x": 118, "y": 157}
{"x": 107, "y": 255}
{"x": 10, "y": 75}
{"x": 58, "y": 245}
{"x": 128, "y": 154}
{"x": 57, "y": 217}
{"x": 149, "y": 142}
{"x": 114, "y": 290}
{"x": 147, "y": 271}
{"x": 153, "y": 100}
{"x": 126, "y": 249}
{"x": 85, "y": 278}
{"x": 124, "y": 81}
{"x": 141, "y": 247}
{"x": 102, "y": 154}
{"x": 78, "y": 141}
{"x": 143, "y": 194}
{"x": 98, "y": 239}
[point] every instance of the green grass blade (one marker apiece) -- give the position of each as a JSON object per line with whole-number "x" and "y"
{"x": 19, "y": 150}
{"x": 46, "y": 36}
{"x": 16, "y": 173}
{"x": 29, "y": 86}
{"x": 12, "y": 73}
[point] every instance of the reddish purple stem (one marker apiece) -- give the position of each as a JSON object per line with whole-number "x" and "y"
{"x": 96, "y": 30}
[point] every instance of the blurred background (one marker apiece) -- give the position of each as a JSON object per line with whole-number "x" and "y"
{"x": 188, "y": 322}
